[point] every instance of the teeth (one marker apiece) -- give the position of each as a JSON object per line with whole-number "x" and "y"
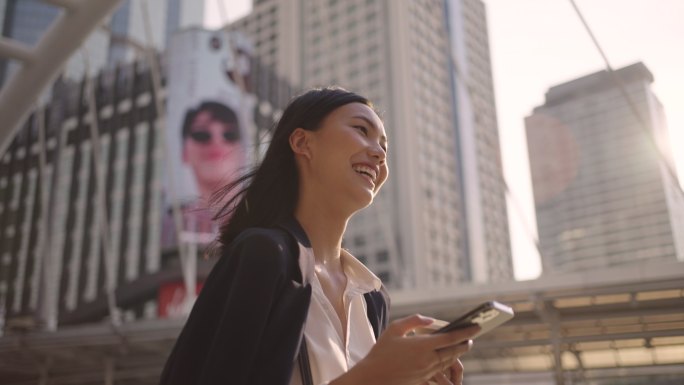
{"x": 365, "y": 170}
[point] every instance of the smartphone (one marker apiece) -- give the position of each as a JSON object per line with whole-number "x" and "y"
{"x": 489, "y": 315}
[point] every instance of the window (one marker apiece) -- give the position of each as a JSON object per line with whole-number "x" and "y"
{"x": 382, "y": 256}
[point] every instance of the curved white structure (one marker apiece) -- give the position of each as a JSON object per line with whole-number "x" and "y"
{"x": 42, "y": 63}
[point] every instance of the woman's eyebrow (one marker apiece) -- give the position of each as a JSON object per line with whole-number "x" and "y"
{"x": 370, "y": 123}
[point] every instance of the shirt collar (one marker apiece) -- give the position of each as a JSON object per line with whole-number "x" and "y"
{"x": 358, "y": 274}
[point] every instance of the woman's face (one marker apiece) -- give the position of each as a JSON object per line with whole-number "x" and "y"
{"x": 213, "y": 149}
{"x": 348, "y": 153}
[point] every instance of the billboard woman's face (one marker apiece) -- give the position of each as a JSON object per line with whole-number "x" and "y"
{"x": 213, "y": 150}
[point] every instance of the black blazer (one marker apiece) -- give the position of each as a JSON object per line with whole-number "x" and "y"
{"x": 247, "y": 324}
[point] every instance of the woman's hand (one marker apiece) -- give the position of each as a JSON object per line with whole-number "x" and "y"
{"x": 451, "y": 376}
{"x": 399, "y": 359}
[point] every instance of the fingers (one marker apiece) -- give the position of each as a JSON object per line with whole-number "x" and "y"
{"x": 457, "y": 373}
{"x": 447, "y": 358}
{"x": 443, "y": 340}
{"x": 402, "y": 326}
{"x": 442, "y": 379}
{"x": 451, "y": 353}
{"x": 454, "y": 377}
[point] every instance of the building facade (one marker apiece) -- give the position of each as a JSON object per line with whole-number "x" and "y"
{"x": 603, "y": 193}
{"x": 54, "y": 249}
{"x": 65, "y": 251}
{"x": 398, "y": 54}
{"x": 26, "y": 20}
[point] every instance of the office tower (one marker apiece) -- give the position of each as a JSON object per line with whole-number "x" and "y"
{"x": 398, "y": 53}
{"x": 165, "y": 17}
{"x": 27, "y": 20}
{"x": 479, "y": 157}
{"x": 602, "y": 192}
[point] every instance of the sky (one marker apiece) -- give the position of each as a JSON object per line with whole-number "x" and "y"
{"x": 536, "y": 44}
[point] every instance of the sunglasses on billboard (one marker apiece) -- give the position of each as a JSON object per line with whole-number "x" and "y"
{"x": 204, "y": 137}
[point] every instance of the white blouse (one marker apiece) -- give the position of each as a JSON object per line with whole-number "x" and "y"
{"x": 329, "y": 354}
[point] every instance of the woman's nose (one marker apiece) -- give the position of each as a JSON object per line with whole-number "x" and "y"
{"x": 378, "y": 152}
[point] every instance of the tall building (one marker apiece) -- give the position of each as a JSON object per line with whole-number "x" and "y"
{"x": 165, "y": 17}
{"x": 27, "y": 20}
{"x": 23, "y": 21}
{"x": 398, "y": 53}
{"x": 602, "y": 192}
{"x": 479, "y": 159}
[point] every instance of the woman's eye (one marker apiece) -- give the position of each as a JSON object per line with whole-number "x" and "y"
{"x": 362, "y": 129}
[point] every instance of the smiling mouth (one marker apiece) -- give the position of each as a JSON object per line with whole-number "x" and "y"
{"x": 368, "y": 179}
{"x": 367, "y": 172}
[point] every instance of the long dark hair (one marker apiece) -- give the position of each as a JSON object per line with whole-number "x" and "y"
{"x": 268, "y": 194}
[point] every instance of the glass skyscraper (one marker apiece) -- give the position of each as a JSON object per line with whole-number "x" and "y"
{"x": 602, "y": 191}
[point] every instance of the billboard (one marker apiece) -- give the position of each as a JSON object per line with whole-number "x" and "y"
{"x": 208, "y": 127}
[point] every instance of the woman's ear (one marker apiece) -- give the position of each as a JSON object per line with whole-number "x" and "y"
{"x": 299, "y": 142}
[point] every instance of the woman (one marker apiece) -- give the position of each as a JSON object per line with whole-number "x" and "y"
{"x": 211, "y": 146}
{"x": 285, "y": 303}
